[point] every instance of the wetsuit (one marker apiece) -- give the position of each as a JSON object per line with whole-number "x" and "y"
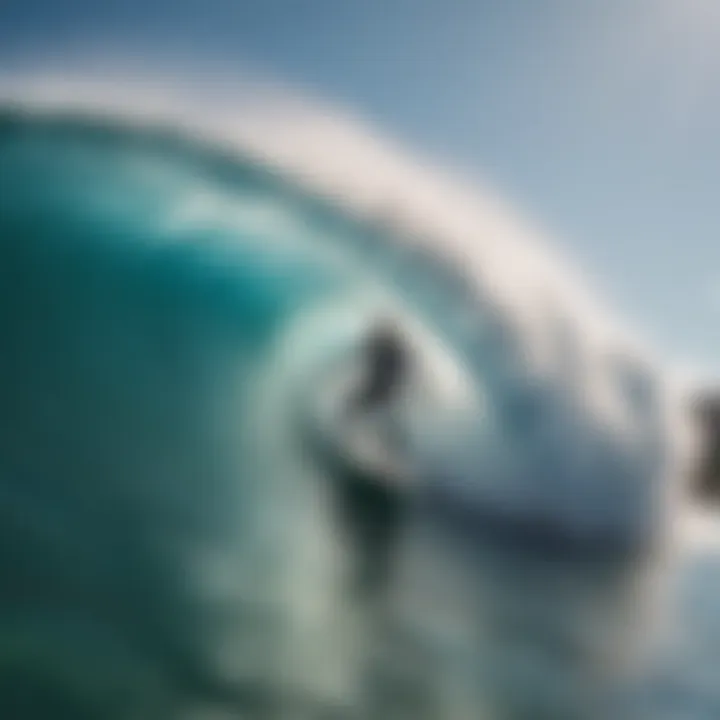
{"x": 388, "y": 367}
{"x": 374, "y": 509}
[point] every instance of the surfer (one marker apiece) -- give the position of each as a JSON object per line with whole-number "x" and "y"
{"x": 387, "y": 367}
{"x": 373, "y": 508}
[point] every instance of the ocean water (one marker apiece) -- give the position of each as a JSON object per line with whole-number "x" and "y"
{"x": 175, "y": 544}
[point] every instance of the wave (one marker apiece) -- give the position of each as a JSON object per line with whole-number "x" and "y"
{"x": 172, "y": 292}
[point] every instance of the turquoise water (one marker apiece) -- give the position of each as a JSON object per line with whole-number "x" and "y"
{"x": 171, "y": 546}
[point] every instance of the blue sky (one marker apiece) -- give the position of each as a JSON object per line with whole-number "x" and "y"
{"x": 597, "y": 118}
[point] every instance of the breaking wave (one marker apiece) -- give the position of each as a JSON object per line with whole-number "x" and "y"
{"x": 171, "y": 294}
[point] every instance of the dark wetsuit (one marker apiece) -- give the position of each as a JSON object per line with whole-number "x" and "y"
{"x": 373, "y": 508}
{"x": 387, "y": 368}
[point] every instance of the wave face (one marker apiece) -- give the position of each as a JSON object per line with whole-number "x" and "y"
{"x": 172, "y": 544}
